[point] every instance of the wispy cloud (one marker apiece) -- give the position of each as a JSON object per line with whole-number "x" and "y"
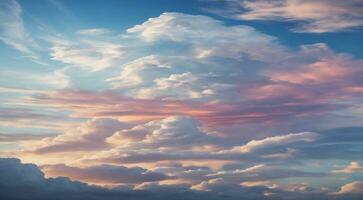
{"x": 312, "y": 16}
{"x": 13, "y": 31}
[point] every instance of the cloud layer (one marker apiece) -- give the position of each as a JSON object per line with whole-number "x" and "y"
{"x": 312, "y": 16}
{"x": 183, "y": 106}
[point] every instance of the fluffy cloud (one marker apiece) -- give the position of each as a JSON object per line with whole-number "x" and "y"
{"x": 353, "y": 167}
{"x": 88, "y": 136}
{"x": 300, "y": 86}
{"x": 198, "y": 43}
{"x": 351, "y": 188}
{"x": 93, "y": 55}
{"x": 26, "y": 181}
{"x": 171, "y": 133}
{"x": 191, "y": 88}
{"x": 314, "y": 16}
{"x": 208, "y": 36}
{"x": 133, "y": 73}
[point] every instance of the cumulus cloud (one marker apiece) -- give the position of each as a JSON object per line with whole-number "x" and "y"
{"x": 208, "y": 37}
{"x": 132, "y": 73}
{"x": 172, "y": 133}
{"x": 351, "y": 188}
{"x": 312, "y": 16}
{"x": 201, "y": 99}
{"x": 26, "y": 181}
{"x": 353, "y": 167}
{"x": 200, "y": 40}
{"x": 88, "y": 136}
{"x": 298, "y": 86}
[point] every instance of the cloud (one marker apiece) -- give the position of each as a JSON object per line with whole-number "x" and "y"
{"x": 26, "y": 181}
{"x": 351, "y": 188}
{"x": 106, "y": 174}
{"x": 207, "y": 37}
{"x": 353, "y": 167}
{"x": 277, "y": 141}
{"x": 312, "y": 16}
{"x": 92, "y": 55}
{"x": 131, "y": 74}
{"x": 13, "y": 31}
{"x": 296, "y": 89}
{"x": 29, "y": 118}
{"x": 93, "y": 31}
{"x": 88, "y": 136}
{"x": 36, "y": 82}
{"x": 21, "y": 137}
{"x": 172, "y": 133}
{"x": 260, "y": 172}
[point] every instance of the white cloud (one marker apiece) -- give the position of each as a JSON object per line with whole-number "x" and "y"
{"x": 353, "y": 167}
{"x": 138, "y": 71}
{"x": 88, "y": 136}
{"x": 351, "y": 188}
{"x": 172, "y": 133}
{"x": 198, "y": 43}
{"x": 176, "y": 86}
{"x": 57, "y": 79}
{"x": 13, "y": 31}
{"x": 208, "y": 37}
{"x": 89, "y": 54}
{"x": 316, "y": 16}
{"x": 94, "y": 31}
{"x": 209, "y": 184}
{"x": 276, "y": 141}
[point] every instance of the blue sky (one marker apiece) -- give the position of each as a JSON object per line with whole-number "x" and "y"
{"x": 212, "y": 98}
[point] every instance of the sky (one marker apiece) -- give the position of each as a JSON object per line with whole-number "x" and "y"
{"x": 181, "y": 100}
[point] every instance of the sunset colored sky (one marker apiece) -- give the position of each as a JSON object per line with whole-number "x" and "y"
{"x": 182, "y": 99}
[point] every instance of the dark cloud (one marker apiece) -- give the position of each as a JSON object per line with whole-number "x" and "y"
{"x": 26, "y": 182}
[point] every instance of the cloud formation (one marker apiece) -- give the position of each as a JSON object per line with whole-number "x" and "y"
{"x": 276, "y": 141}
{"x": 89, "y": 54}
{"x": 185, "y": 106}
{"x": 88, "y": 136}
{"x": 13, "y": 31}
{"x": 351, "y": 188}
{"x": 312, "y": 16}
{"x": 353, "y": 167}
{"x": 106, "y": 174}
